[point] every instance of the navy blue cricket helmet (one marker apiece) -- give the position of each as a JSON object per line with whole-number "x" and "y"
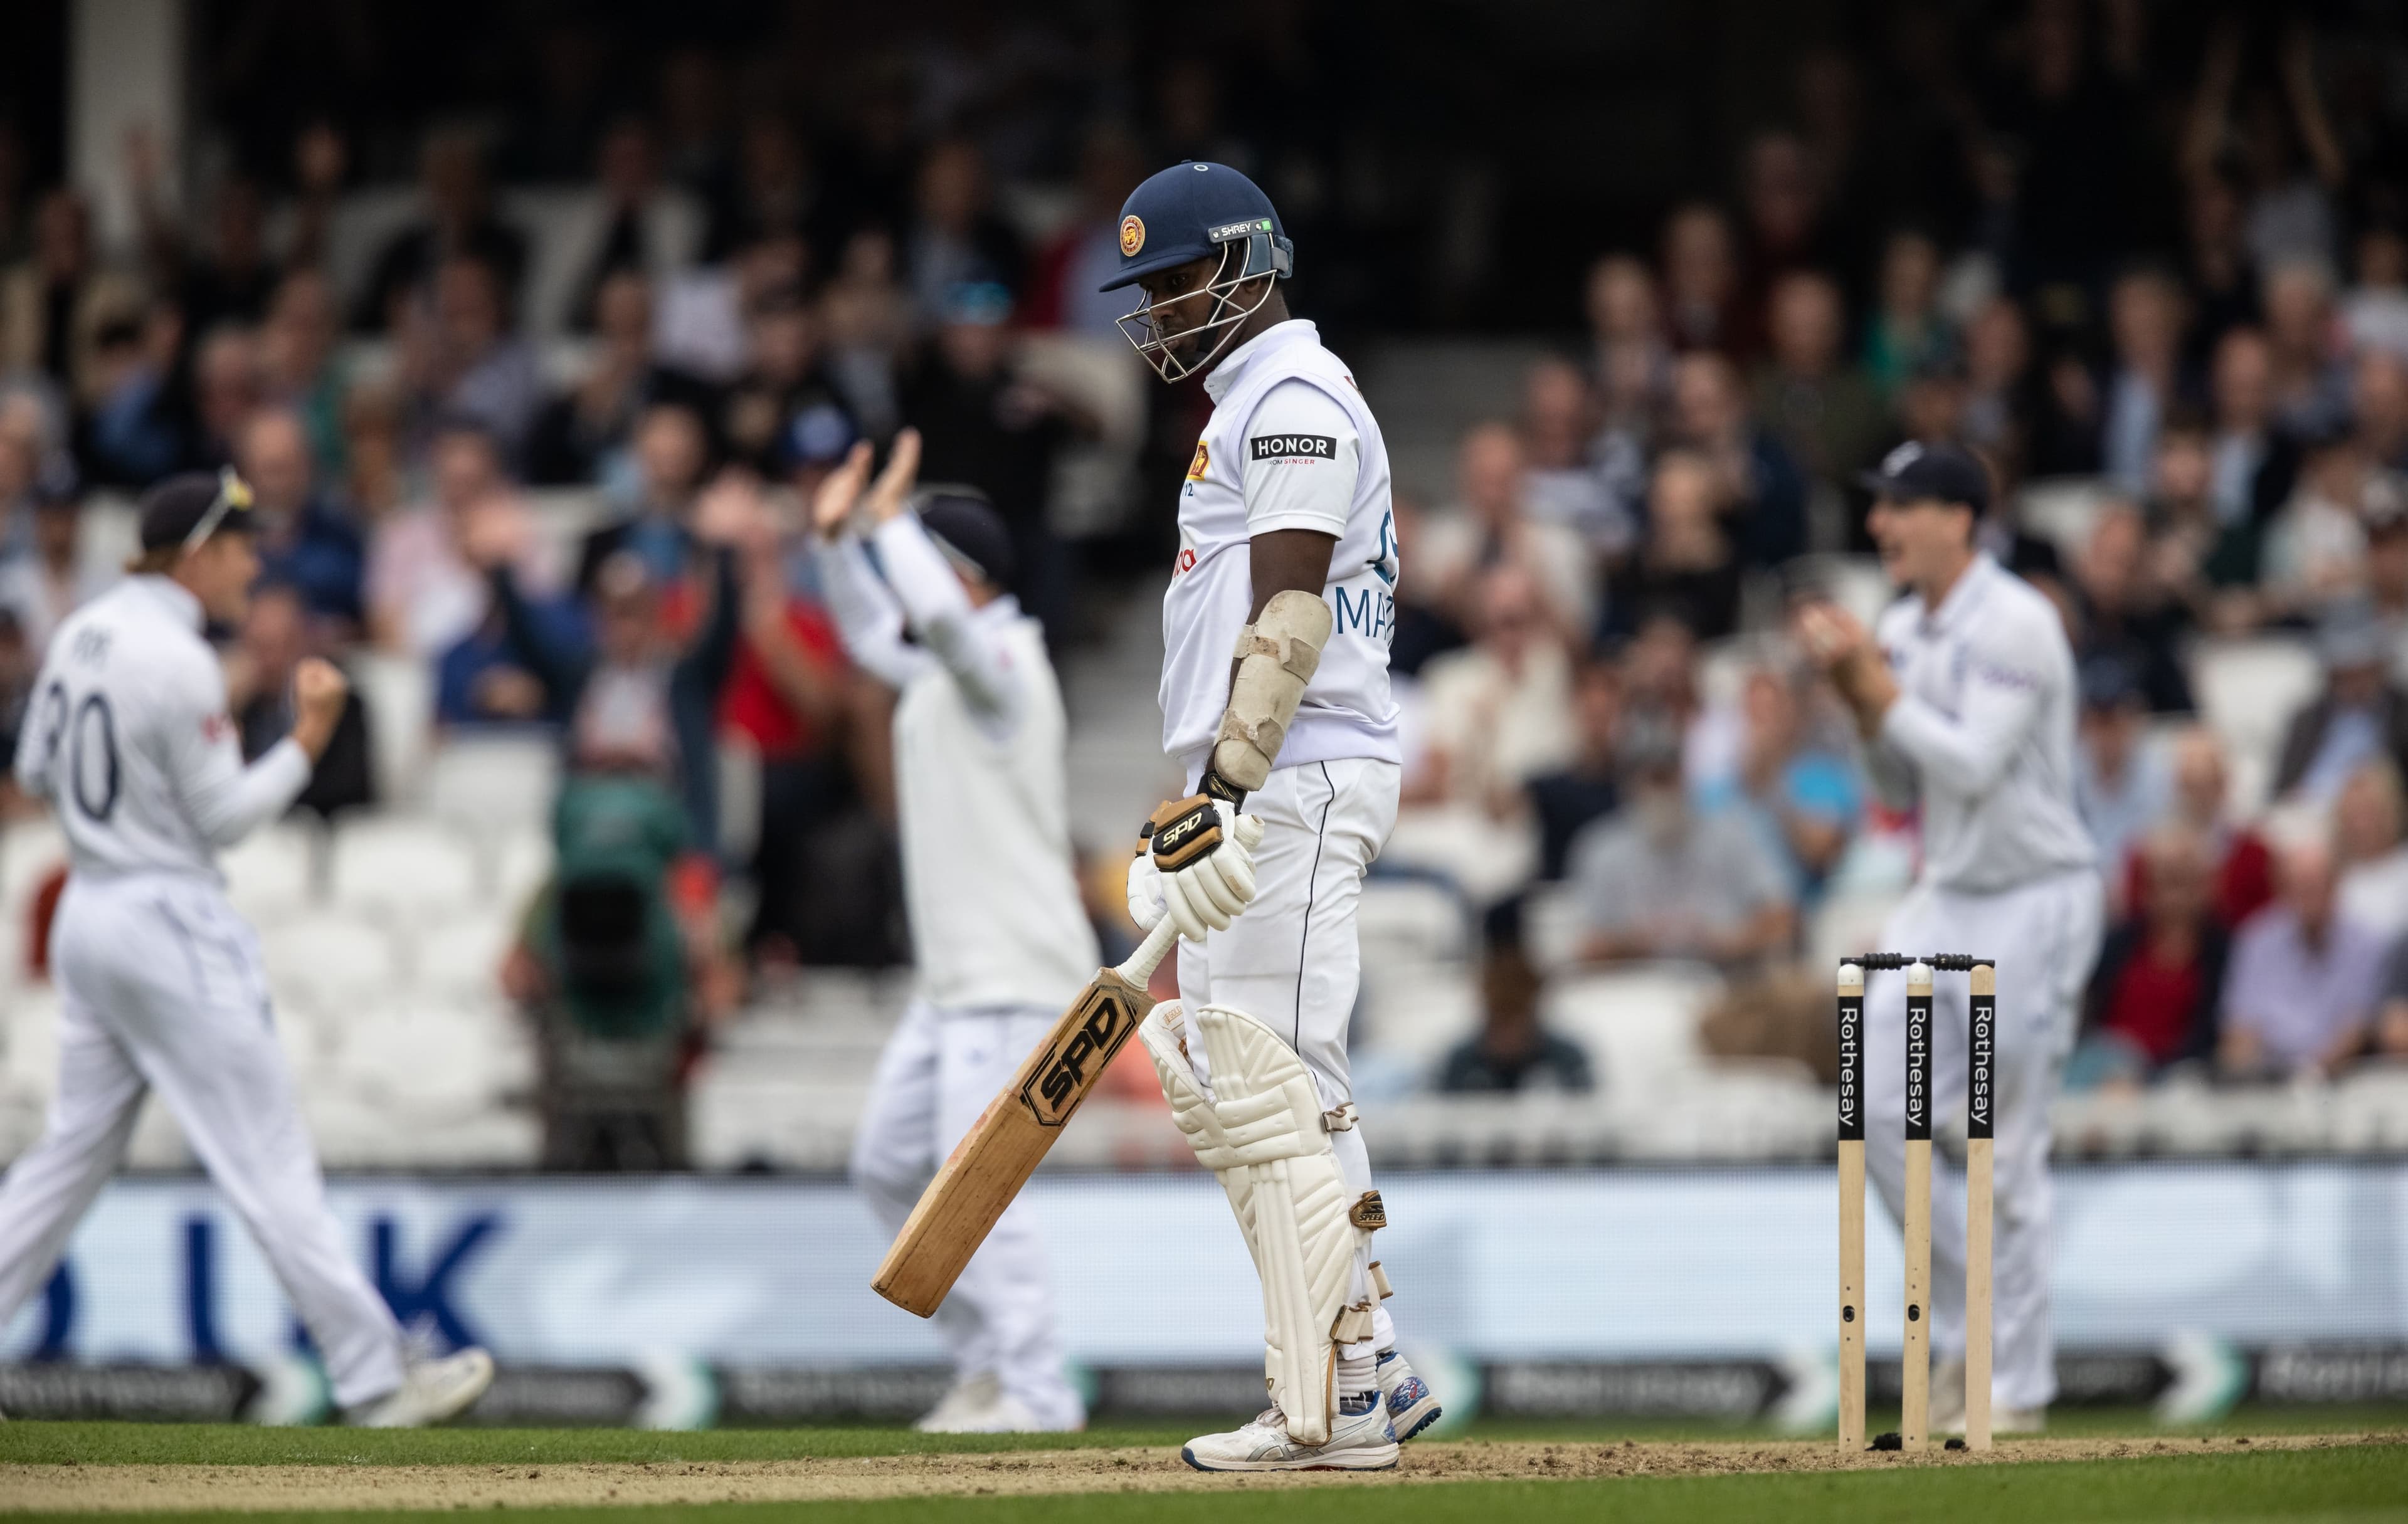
{"x": 1192, "y": 212}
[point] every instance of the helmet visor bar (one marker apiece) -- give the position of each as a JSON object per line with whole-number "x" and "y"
{"x": 1143, "y": 326}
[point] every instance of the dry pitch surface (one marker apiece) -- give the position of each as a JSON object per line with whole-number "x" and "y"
{"x": 113, "y": 1488}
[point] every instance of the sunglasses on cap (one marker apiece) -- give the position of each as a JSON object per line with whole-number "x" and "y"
{"x": 234, "y": 495}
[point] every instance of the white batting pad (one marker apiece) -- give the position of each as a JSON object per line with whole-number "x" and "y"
{"x": 1262, "y": 1131}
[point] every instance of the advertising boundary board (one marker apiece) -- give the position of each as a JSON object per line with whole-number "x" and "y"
{"x": 1635, "y": 1289}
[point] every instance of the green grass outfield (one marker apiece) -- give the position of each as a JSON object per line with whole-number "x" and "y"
{"x": 2363, "y": 1483}
{"x": 243, "y": 1444}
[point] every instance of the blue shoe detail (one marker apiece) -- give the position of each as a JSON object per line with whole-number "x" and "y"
{"x": 1412, "y": 1392}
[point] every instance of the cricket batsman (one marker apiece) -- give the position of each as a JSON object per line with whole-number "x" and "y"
{"x": 1275, "y": 702}
{"x": 999, "y": 936}
{"x": 1965, "y": 696}
{"x": 160, "y": 981}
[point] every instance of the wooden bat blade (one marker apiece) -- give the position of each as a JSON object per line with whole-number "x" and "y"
{"x": 1004, "y": 1146}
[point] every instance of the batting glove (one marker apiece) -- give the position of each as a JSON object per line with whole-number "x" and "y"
{"x": 1194, "y": 864}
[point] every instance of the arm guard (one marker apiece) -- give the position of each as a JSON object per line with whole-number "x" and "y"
{"x": 1277, "y": 656}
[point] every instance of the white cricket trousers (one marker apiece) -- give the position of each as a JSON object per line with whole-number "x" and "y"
{"x": 2045, "y": 936}
{"x": 937, "y": 1074}
{"x": 161, "y": 988}
{"x": 1292, "y": 960}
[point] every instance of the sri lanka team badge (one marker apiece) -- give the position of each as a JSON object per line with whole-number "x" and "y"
{"x": 1132, "y": 236}
{"x": 1202, "y": 462}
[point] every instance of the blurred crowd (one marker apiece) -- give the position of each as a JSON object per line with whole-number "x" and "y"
{"x": 586, "y": 527}
{"x": 2157, "y": 272}
{"x": 2194, "y": 443}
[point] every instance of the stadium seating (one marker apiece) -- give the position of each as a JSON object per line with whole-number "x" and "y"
{"x": 2062, "y": 510}
{"x": 274, "y": 873}
{"x": 2248, "y": 690}
{"x": 483, "y": 783}
{"x": 1638, "y": 1024}
{"x": 403, "y": 869}
{"x": 383, "y": 933}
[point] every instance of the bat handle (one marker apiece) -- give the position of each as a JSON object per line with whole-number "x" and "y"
{"x": 1150, "y": 953}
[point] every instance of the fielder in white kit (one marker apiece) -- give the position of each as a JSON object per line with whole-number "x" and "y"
{"x": 1001, "y": 938}
{"x": 1966, "y": 698}
{"x": 1275, "y": 701}
{"x": 160, "y": 981}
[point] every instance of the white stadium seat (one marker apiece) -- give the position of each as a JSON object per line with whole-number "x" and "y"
{"x": 1858, "y": 584}
{"x": 29, "y": 1040}
{"x": 1640, "y": 1024}
{"x": 1486, "y": 858}
{"x": 2062, "y": 510}
{"x": 1415, "y": 1020}
{"x": 399, "y": 693}
{"x": 330, "y": 961}
{"x": 1846, "y": 925}
{"x": 482, "y": 783}
{"x": 29, "y": 850}
{"x": 459, "y": 961}
{"x": 108, "y": 530}
{"x": 1552, "y": 926}
{"x": 403, "y": 866}
{"x": 2248, "y": 690}
{"x": 434, "y": 1062}
{"x": 272, "y": 872}
{"x": 520, "y": 863}
{"x": 1410, "y": 920}
{"x": 158, "y": 1142}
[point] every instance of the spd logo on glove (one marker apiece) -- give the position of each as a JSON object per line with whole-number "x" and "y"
{"x": 1185, "y": 831}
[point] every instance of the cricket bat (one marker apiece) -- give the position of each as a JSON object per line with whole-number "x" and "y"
{"x": 1003, "y": 1148}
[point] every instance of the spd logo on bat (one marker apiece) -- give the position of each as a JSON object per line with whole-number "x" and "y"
{"x": 1064, "y": 1073}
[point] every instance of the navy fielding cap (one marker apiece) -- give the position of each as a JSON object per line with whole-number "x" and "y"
{"x": 1913, "y": 472}
{"x": 187, "y": 509}
{"x": 969, "y": 532}
{"x": 1193, "y": 212}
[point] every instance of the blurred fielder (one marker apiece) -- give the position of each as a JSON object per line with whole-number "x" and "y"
{"x": 1275, "y": 700}
{"x": 1966, "y": 698}
{"x": 1000, "y": 935}
{"x": 160, "y": 981}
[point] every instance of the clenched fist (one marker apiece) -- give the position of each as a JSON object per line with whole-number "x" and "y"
{"x": 318, "y": 689}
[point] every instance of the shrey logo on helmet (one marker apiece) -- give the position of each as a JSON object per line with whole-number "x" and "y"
{"x": 1132, "y": 236}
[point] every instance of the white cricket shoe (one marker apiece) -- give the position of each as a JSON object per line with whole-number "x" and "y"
{"x": 431, "y": 1390}
{"x": 979, "y": 1406}
{"x": 1412, "y": 1406}
{"x": 1948, "y": 1396}
{"x": 1949, "y": 1406}
{"x": 969, "y": 1395}
{"x": 1357, "y": 1442}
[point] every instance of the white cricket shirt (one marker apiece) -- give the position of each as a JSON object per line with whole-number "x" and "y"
{"x": 979, "y": 736}
{"x": 1290, "y": 445}
{"x": 1983, "y": 732}
{"x": 129, "y": 738}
